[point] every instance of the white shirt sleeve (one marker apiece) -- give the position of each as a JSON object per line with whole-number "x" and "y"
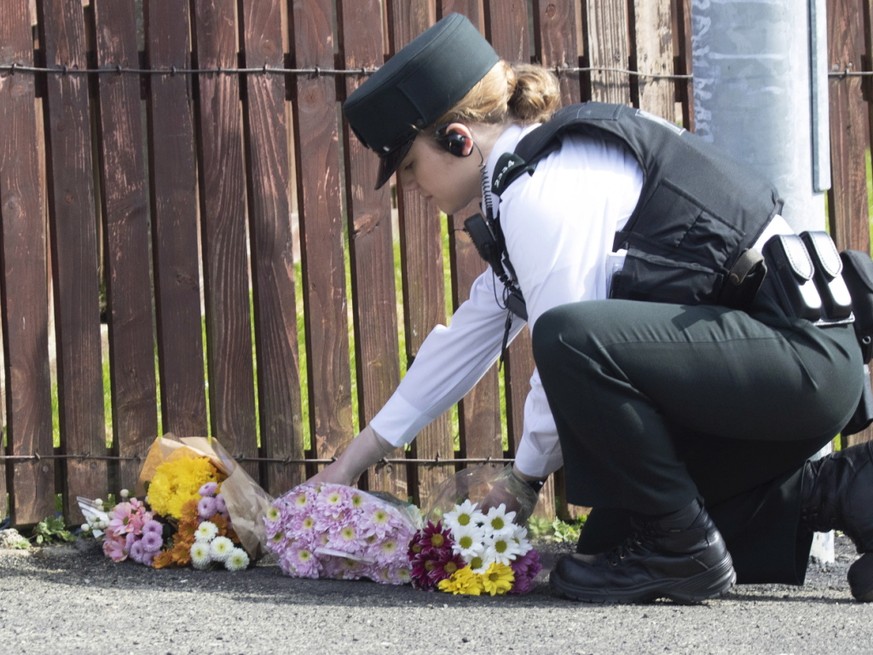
{"x": 449, "y": 363}
{"x": 559, "y": 225}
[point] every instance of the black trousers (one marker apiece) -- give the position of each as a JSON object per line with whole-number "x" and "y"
{"x": 658, "y": 404}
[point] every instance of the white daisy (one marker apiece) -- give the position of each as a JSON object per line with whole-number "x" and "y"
{"x": 463, "y": 515}
{"x": 468, "y": 541}
{"x": 499, "y": 522}
{"x": 479, "y": 564}
{"x": 501, "y": 548}
{"x": 520, "y": 537}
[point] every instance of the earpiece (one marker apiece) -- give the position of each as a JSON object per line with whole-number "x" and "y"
{"x": 453, "y": 142}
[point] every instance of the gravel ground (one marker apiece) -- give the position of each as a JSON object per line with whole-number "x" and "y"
{"x": 71, "y": 599}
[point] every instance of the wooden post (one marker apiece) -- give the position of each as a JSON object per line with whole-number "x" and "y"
{"x": 74, "y": 247}
{"x": 23, "y": 279}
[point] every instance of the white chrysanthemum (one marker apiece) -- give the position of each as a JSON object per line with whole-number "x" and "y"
{"x": 463, "y": 515}
{"x": 220, "y": 548}
{"x": 237, "y": 560}
{"x": 200, "y": 558}
{"x": 499, "y": 522}
{"x": 206, "y": 531}
{"x": 468, "y": 541}
{"x": 273, "y": 514}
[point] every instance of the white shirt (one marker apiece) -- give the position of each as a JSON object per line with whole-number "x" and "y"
{"x": 559, "y": 225}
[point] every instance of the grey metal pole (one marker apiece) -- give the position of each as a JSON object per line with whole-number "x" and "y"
{"x": 760, "y": 92}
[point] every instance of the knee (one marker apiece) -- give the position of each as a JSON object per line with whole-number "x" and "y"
{"x": 548, "y": 335}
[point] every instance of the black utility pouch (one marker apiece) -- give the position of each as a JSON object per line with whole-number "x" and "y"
{"x": 835, "y": 298}
{"x": 791, "y": 271}
{"x": 858, "y": 276}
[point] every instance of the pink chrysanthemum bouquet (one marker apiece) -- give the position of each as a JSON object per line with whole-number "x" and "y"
{"x": 336, "y": 531}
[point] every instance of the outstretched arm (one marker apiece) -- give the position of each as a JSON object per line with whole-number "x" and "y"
{"x": 364, "y": 451}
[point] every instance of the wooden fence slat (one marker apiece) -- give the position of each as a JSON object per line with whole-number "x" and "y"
{"x": 316, "y": 133}
{"x": 24, "y": 281}
{"x": 479, "y": 419}
{"x": 223, "y": 228}
{"x": 173, "y": 176}
{"x": 653, "y": 55}
{"x": 75, "y": 254}
{"x": 849, "y": 134}
{"x": 422, "y": 270}
{"x": 273, "y": 265}
{"x": 608, "y": 48}
{"x": 131, "y": 342}
{"x": 508, "y": 29}
{"x": 850, "y": 138}
{"x": 371, "y": 247}
{"x": 683, "y": 60}
{"x": 558, "y": 46}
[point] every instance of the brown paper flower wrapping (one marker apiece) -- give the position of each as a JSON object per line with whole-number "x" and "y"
{"x": 246, "y": 501}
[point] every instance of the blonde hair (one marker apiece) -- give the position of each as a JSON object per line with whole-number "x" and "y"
{"x": 523, "y": 93}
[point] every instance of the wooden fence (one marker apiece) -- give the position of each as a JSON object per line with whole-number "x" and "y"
{"x": 162, "y": 162}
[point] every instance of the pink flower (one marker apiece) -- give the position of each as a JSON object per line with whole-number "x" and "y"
{"x": 113, "y": 547}
{"x": 128, "y": 518}
{"x": 136, "y": 551}
{"x": 208, "y": 489}
{"x": 151, "y": 542}
{"x": 302, "y": 562}
{"x": 153, "y": 526}
{"x": 206, "y": 507}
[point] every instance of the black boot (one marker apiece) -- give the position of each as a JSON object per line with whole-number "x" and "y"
{"x": 837, "y": 494}
{"x": 681, "y": 556}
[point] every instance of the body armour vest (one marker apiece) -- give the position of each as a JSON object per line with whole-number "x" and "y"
{"x": 689, "y": 240}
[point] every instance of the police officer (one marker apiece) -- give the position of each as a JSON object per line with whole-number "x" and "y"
{"x": 687, "y": 426}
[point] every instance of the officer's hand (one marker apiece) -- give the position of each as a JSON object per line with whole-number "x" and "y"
{"x": 509, "y": 489}
{"x": 333, "y": 473}
{"x": 364, "y": 451}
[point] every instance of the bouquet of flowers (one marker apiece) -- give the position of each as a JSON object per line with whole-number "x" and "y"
{"x": 469, "y": 551}
{"x": 196, "y": 510}
{"x": 336, "y": 531}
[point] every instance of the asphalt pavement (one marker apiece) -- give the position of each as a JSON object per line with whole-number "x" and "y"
{"x": 72, "y": 599}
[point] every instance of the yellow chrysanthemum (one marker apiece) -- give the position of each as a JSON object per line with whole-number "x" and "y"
{"x": 176, "y": 481}
{"x": 462, "y": 581}
{"x": 498, "y": 579}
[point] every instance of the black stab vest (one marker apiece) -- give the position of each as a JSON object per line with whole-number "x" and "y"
{"x": 690, "y": 236}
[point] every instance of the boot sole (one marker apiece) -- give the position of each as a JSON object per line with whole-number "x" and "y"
{"x": 696, "y": 589}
